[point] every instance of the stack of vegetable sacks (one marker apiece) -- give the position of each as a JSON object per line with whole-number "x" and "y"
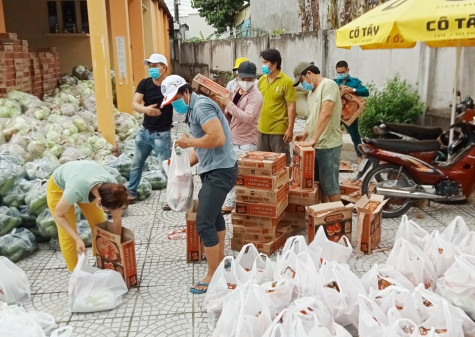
{"x": 38, "y": 136}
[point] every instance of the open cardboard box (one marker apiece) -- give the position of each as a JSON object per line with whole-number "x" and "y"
{"x": 116, "y": 252}
{"x": 369, "y": 222}
{"x": 334, "y": 216}
{"x": 260, "y": 163}
{"x": 303, "y": 167}
{"x": 194, "y": 248}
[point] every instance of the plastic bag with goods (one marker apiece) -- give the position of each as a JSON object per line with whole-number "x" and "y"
{"x": 16, "y": 322}
{"x": 40, "y": 113}
{"x": 277, "y": 295}
{"x": 381, "y": 276}
{"x": 89, "y": 103}
{"x": 9, "y": 219}
{"x": 46, "y": 223}
{"x": 372, "y": 319}
{"x": 116, "y": 174}
{"x": 144, "y": 189}
{"x": 28, "y": 220}
{"x": 9, "y": 108}
{"x": 441, "y": 253}
{"x": 15, "y": 196}
{"x": 82, "y": 125}
{"x": 14, "y": 285}
{"x": 18, "y": 244}
{"x": 35, "y": 199}
{"x": 88, "y": 117}
{"x": 123, "y": 164}
{"x": 41, "y": 168}
{"x": 397, "y": 303}
{"x": 466, "y": 245}
{"x": 22, "y": 125}
{"x": 245, "y": 314}
{"x": 411, "y": 261}
{"x": 263, "y": 269}
{"x": 458, "y": 284}
{"x": 125, "y": 125}
{"x": 180, "y": 181}
{"x": 339, "y": 288}
{"x": 412, "y": 232}
{"x": 26, "y": 100}
{"x": 71, "y": 154}
{"x": 246, "y": 258}
{"x": 11, "y": 157}
{"x": 92, "y": 289}
{"x": 321, "y": 249}
{"x": 456, "y": 231}
{"x": 44, "y": 320}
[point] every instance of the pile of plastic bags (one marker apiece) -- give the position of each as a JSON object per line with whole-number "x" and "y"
{"x": 426, "y": 288}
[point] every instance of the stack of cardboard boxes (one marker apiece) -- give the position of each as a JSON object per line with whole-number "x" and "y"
{"x": 35, "y": 73}
{"x": 262, "y": 189}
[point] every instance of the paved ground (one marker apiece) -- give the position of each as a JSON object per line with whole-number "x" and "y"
{"x": 162, "y": 304}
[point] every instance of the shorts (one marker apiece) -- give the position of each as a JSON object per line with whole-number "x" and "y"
{"x": 327, "y": 164}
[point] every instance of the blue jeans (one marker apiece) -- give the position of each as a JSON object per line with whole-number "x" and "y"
{"x": 145, "y": 142}
{"x": 238, "y": 149}
{"x": 216, "y": 184}
{"x": 327, "y": 170}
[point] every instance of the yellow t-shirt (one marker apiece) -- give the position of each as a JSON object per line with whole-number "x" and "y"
{"x": 274, "y": 119}
{"x": 327, "y": 90}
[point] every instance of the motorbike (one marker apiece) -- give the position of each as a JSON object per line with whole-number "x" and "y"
{"x": 405, "y": 170}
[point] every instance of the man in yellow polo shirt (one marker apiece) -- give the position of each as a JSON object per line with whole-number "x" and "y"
{"x": 276, "y": 123}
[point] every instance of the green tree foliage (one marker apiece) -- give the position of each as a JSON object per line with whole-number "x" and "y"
{"x": 397, "y": 102}
{"x": 219, "y": 13}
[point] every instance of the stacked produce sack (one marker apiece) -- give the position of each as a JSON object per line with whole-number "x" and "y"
{"x": 426, "y": 288}
{"x": 38, "y": 136}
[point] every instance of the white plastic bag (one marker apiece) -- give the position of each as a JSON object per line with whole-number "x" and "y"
{"x": 14, "y": 285}
{"x": 180, "y": 181}
{"x": 458, "y": 284}
{"x": 412, "y": 232}
{"x": 92, "y": 289}
{"x": 44, "y": 320}
{"x": 381, "y": 276}
{"x": 245, "y": 259}
{"x": 411, "y": 261}
{"x": 456, "y": 231}
{"x": 263, "y": 269}
{"x": 321, "y": 249}
{"x": 466, "y": 245}
{"x": 372, "y": 319}
{"x": 440, "y": 252}
{"x": 16, "y": 322}
{"x": 277, "y": 296}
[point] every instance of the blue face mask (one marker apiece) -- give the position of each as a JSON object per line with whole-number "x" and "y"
{"x": 180, "y": 106}
{"x": 154, "y": 73}
{"x": 265, "y": 70}
{"x": 342, "y": 76}
{"x": 307, "y": 86}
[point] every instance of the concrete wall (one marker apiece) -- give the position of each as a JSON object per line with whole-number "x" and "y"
{"x": 275, "y": 14}
{"x": 197, "y": 24}
{"x": 429, "y": 70}
{"x": 29, "y": 19}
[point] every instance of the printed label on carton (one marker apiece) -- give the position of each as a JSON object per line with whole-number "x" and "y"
{"x": 303, "y": 164}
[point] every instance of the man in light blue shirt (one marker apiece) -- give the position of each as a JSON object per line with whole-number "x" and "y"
{"x": 213, "y": 151}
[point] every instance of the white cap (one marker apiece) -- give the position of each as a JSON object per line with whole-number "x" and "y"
{"x": 156, "y": 58}
{"x": 170, "y": 86}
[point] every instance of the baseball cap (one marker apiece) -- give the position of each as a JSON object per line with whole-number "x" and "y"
{"x": 298, "y": 70}
{"x": 238, "y": 61}
{"x": 156, "y": 58}
{"x": 170, "y": 86}
{"x": 247, "y": 69}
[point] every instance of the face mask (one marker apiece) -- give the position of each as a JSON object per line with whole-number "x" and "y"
{"x": 180, "y": 106}
{"x": 245, "y": 85}
{"x": 307, "y": 86}
{"x": 265, "y": 70}
{"x": 154, "y": 73}
{"x": 343, "y": 76}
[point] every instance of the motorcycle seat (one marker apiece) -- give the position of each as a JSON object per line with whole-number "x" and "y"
{"x": 404, "y": 146}
{"x": 415, "y": 131}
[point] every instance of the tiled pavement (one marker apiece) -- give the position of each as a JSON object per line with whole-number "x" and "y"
{"x": 162, "y": 305}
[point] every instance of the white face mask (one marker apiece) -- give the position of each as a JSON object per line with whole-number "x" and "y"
{"x": 245, "y": 85}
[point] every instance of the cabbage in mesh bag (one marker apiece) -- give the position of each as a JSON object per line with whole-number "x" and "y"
{"x": 35, "y": 199}
{"x": 18, "y": 244}
{"x": 46, "y": 224}
{"x": 144, "y": 189}
{"x": 9, "y": 173}
{"x": 9, "y": 219}
{"x": 15, "y": 196}
{"x": 41, "y": 168}
{"x": 155, "y": 178}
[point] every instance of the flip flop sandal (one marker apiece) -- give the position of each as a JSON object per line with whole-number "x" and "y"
{"x": 199, "y": 291}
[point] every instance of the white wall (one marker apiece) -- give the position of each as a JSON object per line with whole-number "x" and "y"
{"x": 275, "y": 14}
{"x": 197, "y": 24}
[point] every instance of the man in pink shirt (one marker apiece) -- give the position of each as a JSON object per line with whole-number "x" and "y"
{"x": 243, "y": 108}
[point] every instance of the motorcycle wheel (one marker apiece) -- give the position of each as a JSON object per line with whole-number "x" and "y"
{"x": 395, "y": 207}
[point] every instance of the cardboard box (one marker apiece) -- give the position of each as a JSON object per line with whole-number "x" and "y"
{"x": 239, "y": 230}
{"x": 303, "y": 167}
{"x": 304, "y": 197}
{"x": 297, "y": 209}
{"x": 264, "y": 182}
{"x": 207, "y": 87}
{"x": 352, "y": 107}
{"x": 348, "y": 187}
{"x": 262, "y": 196}
{"x": 269, "y": 247}
{"x": 334, "y": 216}
{"x": 260, "y": 162}
{"x": 369, "y": 222}
{"x": 254, "y": 221}
{"x": 116, "y": 252}
{"x": 263, "y": 210}
{"x": 194, "y": 248}
{"x": 292, "y": 220}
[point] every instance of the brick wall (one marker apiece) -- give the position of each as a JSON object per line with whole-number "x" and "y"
{"x": 32, "y": 72}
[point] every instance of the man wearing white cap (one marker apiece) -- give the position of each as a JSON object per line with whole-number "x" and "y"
{"x": 155, "y": 132}
{"x": 213, "y": 150}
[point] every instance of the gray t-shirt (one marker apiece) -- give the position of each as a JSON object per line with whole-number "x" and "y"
{"x": 76, "y": 179}
{"x": 202, "y": 110}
